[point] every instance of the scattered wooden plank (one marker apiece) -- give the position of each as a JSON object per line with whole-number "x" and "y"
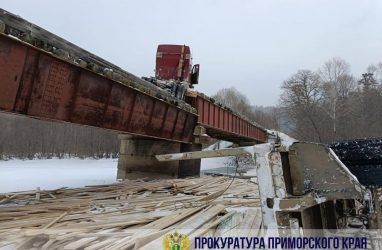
{"x": 55, "y": 220}
{"x": 126, "y": 215}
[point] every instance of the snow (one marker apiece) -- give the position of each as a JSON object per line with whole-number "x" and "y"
{"x": 20, "y": 175}
{"x": 285, "y": 139}
{"x": 212, "y": 163}
{"x": 219, "y": 145}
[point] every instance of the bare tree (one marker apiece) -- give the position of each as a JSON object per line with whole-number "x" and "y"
{"x": 336, "y": 83}
{"x": 300, "y": 99}
{"x": 328, "y": 106}
{"x": 267, "y": 117}
{"x": 235, "y": 100}
{"x": 238, "y": 102}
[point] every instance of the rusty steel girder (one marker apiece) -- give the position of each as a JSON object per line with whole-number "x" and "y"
{"x": 222, "y": 123}
{"x": 41, "y": 85}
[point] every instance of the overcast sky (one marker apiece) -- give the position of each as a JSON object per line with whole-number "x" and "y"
{"x": 252, "y": 45}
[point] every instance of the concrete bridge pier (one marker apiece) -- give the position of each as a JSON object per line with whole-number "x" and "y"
{"x": 137, "y": 158}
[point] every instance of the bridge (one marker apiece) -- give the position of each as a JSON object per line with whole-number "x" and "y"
{"x": 58, "y": 81}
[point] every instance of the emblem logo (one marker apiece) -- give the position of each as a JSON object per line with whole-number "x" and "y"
{"x": 176, "y": 241}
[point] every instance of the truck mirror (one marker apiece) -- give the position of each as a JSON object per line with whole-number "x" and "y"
{"x": 195, "y": 74}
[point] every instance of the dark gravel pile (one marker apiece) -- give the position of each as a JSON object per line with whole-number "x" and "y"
{"x": 363, "y": 158}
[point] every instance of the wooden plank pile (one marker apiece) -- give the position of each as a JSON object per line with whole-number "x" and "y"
{"x": 126, "y": 215}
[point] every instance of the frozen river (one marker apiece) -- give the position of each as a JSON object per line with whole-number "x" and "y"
{"x": 20, "y": 175}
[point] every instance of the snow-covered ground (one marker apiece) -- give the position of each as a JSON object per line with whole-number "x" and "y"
{"x": 19, "y": 175}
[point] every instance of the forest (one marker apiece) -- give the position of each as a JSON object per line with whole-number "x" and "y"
{"x": 27, "y": 138}
{"x": 326, "y": 105}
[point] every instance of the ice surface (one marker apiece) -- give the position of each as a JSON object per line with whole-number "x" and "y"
{"x": 19, "y": 175}
{"x": 214, "y": 163}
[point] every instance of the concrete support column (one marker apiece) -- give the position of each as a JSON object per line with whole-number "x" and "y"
{"x": 137, "y": 158}
{"x": 190, "y": 167}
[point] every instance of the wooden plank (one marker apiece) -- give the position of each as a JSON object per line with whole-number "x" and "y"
{"x": 124, "y": 215}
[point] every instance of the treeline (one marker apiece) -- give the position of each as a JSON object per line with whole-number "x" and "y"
{"x": 326, "y": 105}
{"x": 26, "y": 138}
{"x": 332, "y": 104}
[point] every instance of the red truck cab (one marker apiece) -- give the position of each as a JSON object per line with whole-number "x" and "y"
{"x": 174, "y": 62}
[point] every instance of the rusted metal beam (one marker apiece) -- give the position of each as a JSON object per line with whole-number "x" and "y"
{"x": 40, "y": 38}
{"x": 38, "y": 84}
{"x": 223, "y": 123}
